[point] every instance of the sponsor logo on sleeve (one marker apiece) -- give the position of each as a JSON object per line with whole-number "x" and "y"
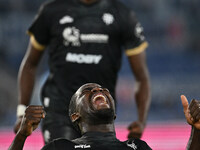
{"x": 138, "y": 31}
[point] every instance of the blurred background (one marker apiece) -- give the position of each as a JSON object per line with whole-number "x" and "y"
{"x": 173, "y": 57}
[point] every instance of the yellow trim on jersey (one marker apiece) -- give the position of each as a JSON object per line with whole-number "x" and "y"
{"x": 35, "y": 43}
{"x": 137, "y": 50}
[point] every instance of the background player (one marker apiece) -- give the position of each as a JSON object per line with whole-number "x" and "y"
{"x": 85, "y": 40}
{"x": 92, "y": 111}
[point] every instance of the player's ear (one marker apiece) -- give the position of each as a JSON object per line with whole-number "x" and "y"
{"x": 75, "y": 117}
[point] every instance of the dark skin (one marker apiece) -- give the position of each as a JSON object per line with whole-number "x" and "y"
{"x": 191, "y": 111}
{"x": 142, "y": 95}
{"x": 28, "y": 69}
{"x": 26, "y": 78}
{"x": 85, "y": 106}
{"x": 34, "y": 114}
{"x": 30, "y": 122}
{"x": 87, "y": 103}
{"x": 192, "y": 115}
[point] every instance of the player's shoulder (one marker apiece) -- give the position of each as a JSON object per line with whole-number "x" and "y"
{"x": 124, "y": 12}
{"x": 121, "y": 6}
{"x": 48, "y": 3}
{"x": 137, "y": 144}
{"x": 52, "y": 4}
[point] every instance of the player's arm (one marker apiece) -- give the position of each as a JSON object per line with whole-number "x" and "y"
{"x": 142, "y": 95}
{"x": 134, "y": 43}
{"x": 30, "y": 121}
{"x": 192, "y": 115}
{"x": 26, "y": 78}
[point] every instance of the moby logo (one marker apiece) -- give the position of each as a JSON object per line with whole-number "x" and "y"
{"x": 83, "y": 59}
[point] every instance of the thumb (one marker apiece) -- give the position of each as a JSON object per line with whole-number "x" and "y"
{"x": 184, "y": 102}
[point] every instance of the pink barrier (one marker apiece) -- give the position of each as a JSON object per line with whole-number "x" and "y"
{"x": 160, "y": 136}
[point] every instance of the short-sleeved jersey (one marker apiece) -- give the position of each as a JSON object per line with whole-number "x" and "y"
{"x": 97, "y": 141}
{"x": 85, "y": 42}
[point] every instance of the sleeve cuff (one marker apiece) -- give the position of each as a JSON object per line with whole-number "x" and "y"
{"x": 137, "y": 50}
{"x": 35, "y": 43}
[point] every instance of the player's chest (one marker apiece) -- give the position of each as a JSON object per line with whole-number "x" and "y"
{"x": 97, "y": 27}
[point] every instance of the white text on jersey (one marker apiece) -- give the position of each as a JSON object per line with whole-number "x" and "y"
{"x": 83, "y": 58}
{"x": 82, "y": 146}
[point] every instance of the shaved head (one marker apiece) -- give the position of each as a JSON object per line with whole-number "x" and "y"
{"x": 92, "y": 104}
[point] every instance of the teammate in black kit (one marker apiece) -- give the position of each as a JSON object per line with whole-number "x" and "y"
{"x": 84, "y": 40}
{"x": 92, "y": 111}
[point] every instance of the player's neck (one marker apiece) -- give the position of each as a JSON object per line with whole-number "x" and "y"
{"x": 88, "y": 1}
{"x": 97, "y": 128}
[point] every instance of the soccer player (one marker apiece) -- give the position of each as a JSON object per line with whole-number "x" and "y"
{"x": 92, "y": 111}
{"x": 84, "y": 40}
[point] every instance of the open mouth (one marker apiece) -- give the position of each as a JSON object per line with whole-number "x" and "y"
{"x": 100, "y": 101}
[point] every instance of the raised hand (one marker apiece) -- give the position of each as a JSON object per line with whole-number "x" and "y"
{"x": 191, "y": 111}
{"x": 135, "y": 130}
{"x": 31, "y": 119}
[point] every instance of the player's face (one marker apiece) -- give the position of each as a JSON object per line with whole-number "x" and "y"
{"x": 94, "y": 97}
{"x": 95, "y": 103}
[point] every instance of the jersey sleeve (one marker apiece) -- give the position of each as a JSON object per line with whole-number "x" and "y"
{"x": 39, "y": 30}
{"x": 133, "y": 39}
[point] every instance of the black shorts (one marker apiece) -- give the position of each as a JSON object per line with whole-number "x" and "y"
{"x": 57, "y": 123}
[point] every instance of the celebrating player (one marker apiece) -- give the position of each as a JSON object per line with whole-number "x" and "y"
{"x": 92, "y": 111}
{"x": 84, "y": 40}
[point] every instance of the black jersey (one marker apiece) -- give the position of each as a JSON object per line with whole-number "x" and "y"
{"x": 97, "y": 141}
{"x": 85, "y": 41}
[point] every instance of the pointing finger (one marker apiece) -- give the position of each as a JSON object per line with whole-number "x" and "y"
{"x": 184, "y": 102}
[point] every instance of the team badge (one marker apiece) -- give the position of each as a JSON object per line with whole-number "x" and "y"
{"x": 71, "y": 35}
{"x": 108, "y": 18}
{"x": 66, "y": 19}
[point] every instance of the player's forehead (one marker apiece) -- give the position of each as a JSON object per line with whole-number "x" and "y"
{"x": 88, "y": 86}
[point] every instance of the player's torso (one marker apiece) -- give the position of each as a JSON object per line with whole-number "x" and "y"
{"x": 108, "y": 141}
{"x": 84, "y": 34}
{"x": 85, "y": 43}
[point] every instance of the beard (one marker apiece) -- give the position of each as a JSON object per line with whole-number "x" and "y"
{"x": 103, "y": 116}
